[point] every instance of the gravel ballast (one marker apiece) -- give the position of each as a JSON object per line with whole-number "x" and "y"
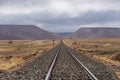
{"x": 67, "y": 69}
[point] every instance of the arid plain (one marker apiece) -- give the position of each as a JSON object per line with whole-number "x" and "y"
{"x": 15, "y": 55}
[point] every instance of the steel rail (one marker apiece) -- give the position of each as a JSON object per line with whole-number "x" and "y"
{"x": 88, "y": 72}
{"x": 52, "y": 65}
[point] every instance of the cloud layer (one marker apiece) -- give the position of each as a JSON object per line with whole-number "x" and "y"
{"x": 61, "y": 15}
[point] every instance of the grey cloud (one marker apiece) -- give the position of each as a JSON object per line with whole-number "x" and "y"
{"x": 15, "y": 19}
{"x": 47, "y": 18}
{"x": 87, "y": 18}
{"x": 23, "y": 3}
{"x": 54, "y": 17}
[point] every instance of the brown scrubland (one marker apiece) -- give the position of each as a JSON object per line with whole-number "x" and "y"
{"x": 15, "y": 55}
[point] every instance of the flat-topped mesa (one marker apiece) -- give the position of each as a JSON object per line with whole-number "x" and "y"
{"x": 96, "y": 32}
{"x": 25, "y": 32}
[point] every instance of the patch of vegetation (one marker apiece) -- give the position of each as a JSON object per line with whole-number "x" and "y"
{"x": 105, "y": 52}
{"x": 116, "y": 57}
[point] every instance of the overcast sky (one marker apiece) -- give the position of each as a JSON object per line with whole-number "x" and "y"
{"x": 61, "y": 15}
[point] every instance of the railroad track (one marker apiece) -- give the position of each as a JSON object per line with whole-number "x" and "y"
{"x": 52, "y": 64}
{"x": 78, "y": 62}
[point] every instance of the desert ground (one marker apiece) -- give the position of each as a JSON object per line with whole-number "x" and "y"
{"x": 106, "y": 51}
{"x": 15, "y": 55}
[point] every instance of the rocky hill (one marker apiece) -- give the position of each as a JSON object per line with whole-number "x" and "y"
{"x": 24, "y": 32}
{"x": 96, "y": 33}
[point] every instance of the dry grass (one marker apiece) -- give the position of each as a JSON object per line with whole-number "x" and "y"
{"x": 106, "y": 51}
{"x": 16, "y": 55}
